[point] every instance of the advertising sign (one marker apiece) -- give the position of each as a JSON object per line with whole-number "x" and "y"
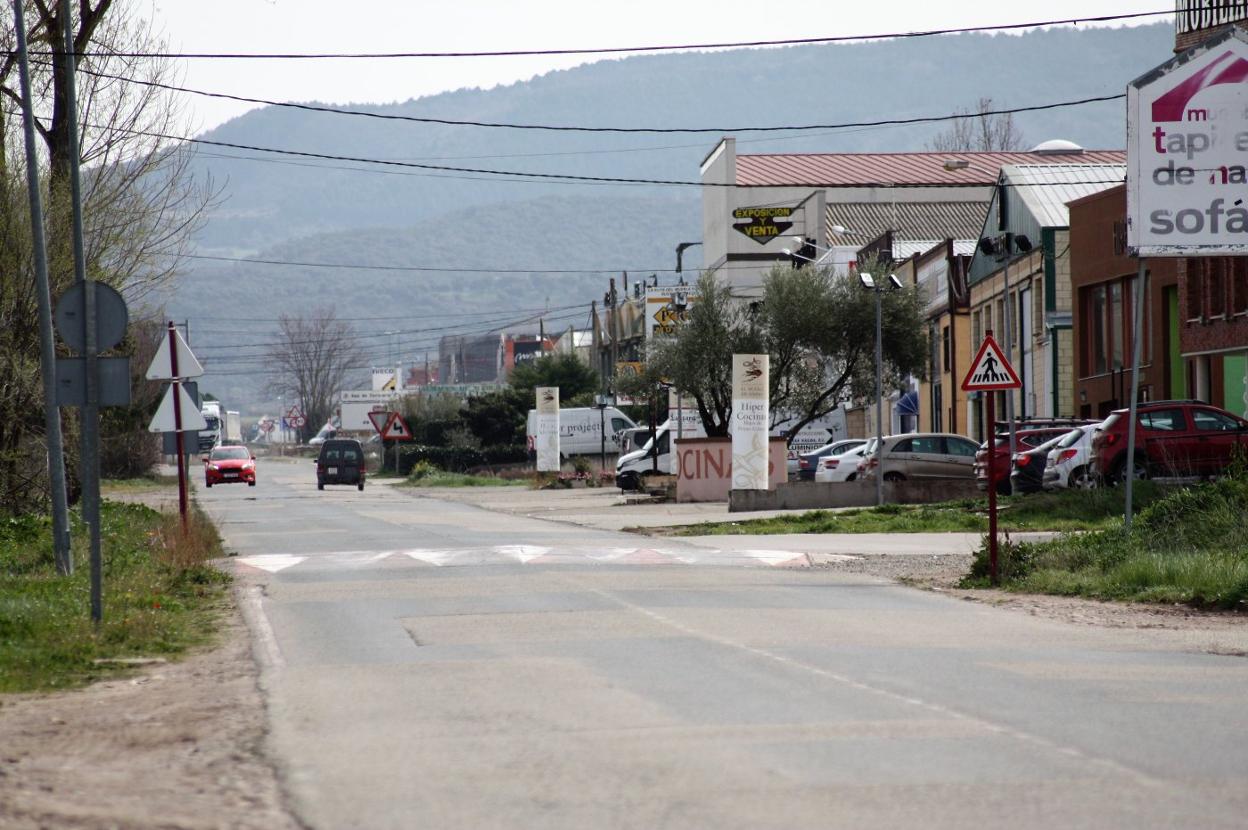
{"x": 1187, "y": 147}
{"x": 384, "y": 380}
{"x": 759, "y": 223}
{"x": 666, "y": 309}
{"x": 546, "y": 441}
{"x": 1195, "y": 19}
{"x": 525, "y": 351}
{"x": 750, "y": 421}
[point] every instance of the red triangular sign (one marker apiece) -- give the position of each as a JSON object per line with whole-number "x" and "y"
{"x": 990, "y": 370}
{"x": 396, "y": 428}
{"x": 380, "y": 420}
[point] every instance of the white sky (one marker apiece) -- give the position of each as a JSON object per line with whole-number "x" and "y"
{"x": 486, "y": 25}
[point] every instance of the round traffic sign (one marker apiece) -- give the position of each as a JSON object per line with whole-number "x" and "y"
{"x": 298, "y": 421}
{"x": 111, "y": 316}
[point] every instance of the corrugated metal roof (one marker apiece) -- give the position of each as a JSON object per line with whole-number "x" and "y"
{"x": 907, "y": 220}
{"x": 1057, "y": 185}
{"x": 866, "y": 169}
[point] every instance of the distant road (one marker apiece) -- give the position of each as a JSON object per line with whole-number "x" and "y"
{"x": 430, "y": 664}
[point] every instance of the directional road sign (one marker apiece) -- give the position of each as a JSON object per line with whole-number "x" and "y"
{"x": 990, "y": 370}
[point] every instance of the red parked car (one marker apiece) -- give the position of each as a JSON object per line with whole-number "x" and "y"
{"x": 229, "y": 464}
{"x": 1026, "y": 438}
{"x": 1173, "y": 439}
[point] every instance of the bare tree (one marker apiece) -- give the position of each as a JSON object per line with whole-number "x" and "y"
{"x": 981, "y": 129}
{"x": 311, "y": 360}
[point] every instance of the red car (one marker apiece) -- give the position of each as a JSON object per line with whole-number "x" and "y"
{"x": 1173, "y": 439}
{"x": 1026, "y": 439}
{"x": 228, "y": 464}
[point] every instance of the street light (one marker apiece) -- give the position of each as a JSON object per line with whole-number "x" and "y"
{"x": 869, "y": 283}
{"x": 680, "y": 252}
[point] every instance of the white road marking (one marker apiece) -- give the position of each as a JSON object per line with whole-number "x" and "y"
{"x": 272, "y": 562}
{"x": 266, "y": 639}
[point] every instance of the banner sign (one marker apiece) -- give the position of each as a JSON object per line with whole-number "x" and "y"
{"x": 1192, "y": 18}
{"x": 547, "y": 438}
{"x": 750, "y": 421}
{"x": 1187, "y": 151}
{"x": 759, "y": 223}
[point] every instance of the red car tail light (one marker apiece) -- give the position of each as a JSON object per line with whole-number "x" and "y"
{"x": 1109, "y": 439}
{"x": 1020, "y": 461}
{"x": 831, "y": 463}
{"x": 1067, "y": 455}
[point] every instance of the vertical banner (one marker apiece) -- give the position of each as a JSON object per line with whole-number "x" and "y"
{"x": 750, "y": 421}
{"x": 547, "y": 439}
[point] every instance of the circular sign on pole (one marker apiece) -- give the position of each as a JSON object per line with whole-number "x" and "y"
{"x": 110, "y": 313}
{"x": 298, "y": 421}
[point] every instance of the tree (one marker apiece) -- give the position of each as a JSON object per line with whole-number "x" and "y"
{"x": 574, "y": 378}
{"x": 140, "y": 207}
{"x": 979, "y": 130}
{"x": 311, "y": 360}
{"x": 818, "y": 329}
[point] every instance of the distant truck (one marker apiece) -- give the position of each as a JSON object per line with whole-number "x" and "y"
{"x": 580, "y": 430}
{"x": 232, "y": 428}
{"x": 210, "y": 435}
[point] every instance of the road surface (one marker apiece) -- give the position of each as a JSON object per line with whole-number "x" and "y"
{"x": 430, "y": 664}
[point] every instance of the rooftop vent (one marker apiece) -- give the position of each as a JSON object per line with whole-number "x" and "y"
{"x": 1057, "y": 147}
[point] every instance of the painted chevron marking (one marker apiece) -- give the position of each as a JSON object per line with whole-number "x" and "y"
{"x": 272, "y": 562}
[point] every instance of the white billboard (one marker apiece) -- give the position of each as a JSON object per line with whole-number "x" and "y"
{"x": 750, "y": 422}
{"x": 1187, "y": 147}
{"x": 546, "y": 439}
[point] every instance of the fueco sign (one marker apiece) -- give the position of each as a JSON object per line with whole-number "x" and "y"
{"x": 1187, "y": 145}
{"x": 546, "y": 442}
{"x": 750, "y": 421}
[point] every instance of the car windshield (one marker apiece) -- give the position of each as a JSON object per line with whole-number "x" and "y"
{"x": 230, "y": 454}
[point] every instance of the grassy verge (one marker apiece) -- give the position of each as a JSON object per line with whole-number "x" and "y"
{"x": 1058, "y": 511}
{"x": 1191, "y": 547}
{"x": 424, "y": 474}
{"x": 161, "y": 597}
{"x": 142, "y": 483}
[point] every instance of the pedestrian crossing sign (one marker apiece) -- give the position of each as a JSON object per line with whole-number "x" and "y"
{"x": 990, "y": 370}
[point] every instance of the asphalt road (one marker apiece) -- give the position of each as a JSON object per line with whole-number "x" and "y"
{"x": 430, "y": 664}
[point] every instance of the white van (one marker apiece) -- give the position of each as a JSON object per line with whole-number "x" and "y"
{"x": 633, "y": 466}
{"x": 580, "y": 429}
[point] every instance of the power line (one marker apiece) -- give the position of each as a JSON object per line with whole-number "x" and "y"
{"x": 610, "y": 50}
{"x": 420, "y": 268}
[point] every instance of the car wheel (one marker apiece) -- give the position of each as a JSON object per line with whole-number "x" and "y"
{"x": 361, "y": 485}
{"x": 1004, "y": 488}
{"x": 1082, "y": 479}
{"x": 251, "y": 484}
{"x": 208, "y": 484}
{"x": 1139, "y": 471}
{"x": 852, "y": 476}
{"x": 894, "y": 477}
{"x": 320, "y": 485}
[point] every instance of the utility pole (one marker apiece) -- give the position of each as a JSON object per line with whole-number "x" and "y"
{"x": 47, "y": 347}
{"x": 90, "y": 463}
{"x": 613, "y": 323}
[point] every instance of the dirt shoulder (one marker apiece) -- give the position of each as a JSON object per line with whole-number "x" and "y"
{"x": 176, "y": 745}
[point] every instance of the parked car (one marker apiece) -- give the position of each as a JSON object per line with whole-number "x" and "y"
{"x": 1027, "y": 467}
{"x": 341, "y": 461}
{"x": 1067, "y": 465}
{"x": 807, "y": 462}
{"x": 227, "y": 464}
{"x": 1173, "y": 439}
{"x": 840, "y": 467}
{"x": 920, "y": 455}
{"x": 1025, "y": 439}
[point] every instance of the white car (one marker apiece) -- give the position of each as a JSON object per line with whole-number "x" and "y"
{"x": 1068, "y": 464}
{"x": 838, "y": 468}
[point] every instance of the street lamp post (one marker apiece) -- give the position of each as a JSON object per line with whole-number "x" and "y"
{"x": 893, "y": 283}
{"x": 680, "y": 252}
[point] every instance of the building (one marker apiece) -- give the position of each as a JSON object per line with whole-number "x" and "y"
{"x": 1213, "y": 329}
{"x": 1023, "y": 259}
{"x": 941, "y": 273}
{"x": 1103, "y": 285}
{"x": 754, "y": 206}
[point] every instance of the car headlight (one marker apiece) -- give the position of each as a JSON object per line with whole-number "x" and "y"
{"x": 213, "y": 467}
{"x": 249, "y": 466}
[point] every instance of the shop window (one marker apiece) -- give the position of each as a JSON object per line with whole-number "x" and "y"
{"x": 1239, "y": 286}
{"x": 1098, "y": 359}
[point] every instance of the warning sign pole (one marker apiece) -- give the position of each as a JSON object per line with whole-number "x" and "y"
{"x": 992, "y": 488}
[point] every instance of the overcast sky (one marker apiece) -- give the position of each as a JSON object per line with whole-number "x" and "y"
{"x": 485, "y": 25}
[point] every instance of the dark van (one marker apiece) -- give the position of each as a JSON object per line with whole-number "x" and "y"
{"x": 341, "y": 462}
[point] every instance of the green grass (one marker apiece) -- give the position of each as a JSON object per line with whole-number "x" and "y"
{"x": 1059, "y": 511}
{"x": 426, "y": 475}
{"x": 1190, "y": 547}
{"x": 153, "y": 482}
{"x": 160, "y": 596}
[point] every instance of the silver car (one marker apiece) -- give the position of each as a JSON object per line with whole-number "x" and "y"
{"x": 919, "y": 455}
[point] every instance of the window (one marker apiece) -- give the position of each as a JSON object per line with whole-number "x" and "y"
{"x": 1163, "y": 420}
{"x": 1216, "y": 282}
{"x": 903, "y": 445}
{"x": 1195, "y": 282}
{"x": 961, "y": 446}
{"x": 1207, "y": 419}
{"x": 1239, "y": 286}
{"x": 618, "y": 424}
{"x": 1115, "y": 325}
{"x": 1098, "y": 361}
{"x": 944, "y": 347}
{"x": 930, "y": 445}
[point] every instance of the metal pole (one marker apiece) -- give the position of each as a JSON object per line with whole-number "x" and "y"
{"x": 879, "y": 397}
{"x": 993, "y": 574}
{"x": 602, "y": 427}
{"x": 47, "y": 346}
{"x": 90, "y": 463}
{"x": 1137, "y": 334}
{"x": 1008, "y": 322}
{"x": 177, "y": 424}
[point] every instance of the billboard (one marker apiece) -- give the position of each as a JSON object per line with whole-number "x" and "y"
{"x": 1187, "y": 147}
{"x": 667, "y": 308}
{"x": 750, "y": 421}
{"x": 546, "y": 441}
{"x": 1195, "y": 20}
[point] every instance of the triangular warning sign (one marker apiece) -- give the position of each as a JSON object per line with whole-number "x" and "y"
{"x": 161, "y": 367}
{"x": 379, "y": 419}
{"x": 990, "y": 370}
{"x": 191, "y": 418}
{"x": 396, "y": 429}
